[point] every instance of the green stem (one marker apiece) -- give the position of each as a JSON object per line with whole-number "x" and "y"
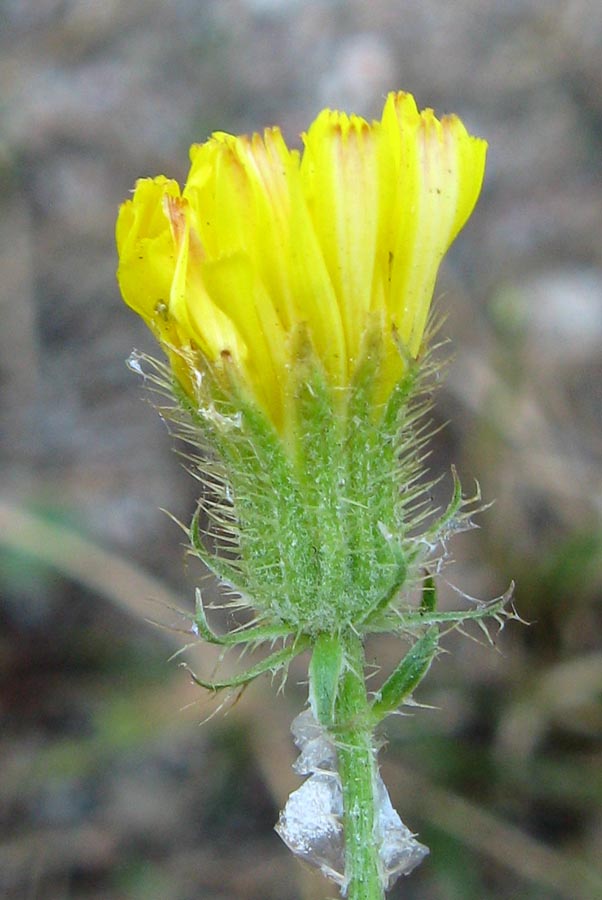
{"x": 357, "y": 769}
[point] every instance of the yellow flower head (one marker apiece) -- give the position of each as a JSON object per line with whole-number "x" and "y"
{"x": 265, "y": 242}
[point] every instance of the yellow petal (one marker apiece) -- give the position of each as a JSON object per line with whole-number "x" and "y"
{"x": 190, "y": 304}
{"x": 265, "y": 164}
{"x": 237, "y": 291}
{"x": 147, "y": 262}
{"x": 340, "y": 179}
{"x": 218, "y": 191}
{"x": 146, "y": 249}
{"x": 438, "y": 170}
{"x": 286, "y": 251}
{"x": 239, "y": 202}
{"x": 250, "y": 194}
{"x": 316, "y": 301}
{"x": 265, "y": 244}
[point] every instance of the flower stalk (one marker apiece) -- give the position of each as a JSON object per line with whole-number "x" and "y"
{"x": 357, "y": 770}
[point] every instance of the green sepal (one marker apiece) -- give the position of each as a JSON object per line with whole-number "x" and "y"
{"x": 377, "y": 565}
{"x": 398, "y": 582}
{"x": 252, "y": 635}
{"x": 270, "y": 664}
{"x": 453, "y": 508}
{"x": 401, "y": 395}
{"x": 312, "y": 521}
{"x": 325, "y": 670}
{"x": 220, "y": 567}
{"x": 456, "y": 516}
{"x": 271, "y": 510}
{"x": 406, "y": 677}
{"x": 319, "y": 471}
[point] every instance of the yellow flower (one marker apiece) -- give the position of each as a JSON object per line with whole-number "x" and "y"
{"x": 264, "y": 242}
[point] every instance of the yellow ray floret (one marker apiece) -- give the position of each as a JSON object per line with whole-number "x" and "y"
{"x": 264, "y": 241}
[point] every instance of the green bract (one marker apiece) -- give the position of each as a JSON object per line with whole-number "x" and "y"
{"x": 325, "y": 533}
{"x": 317, "y": 534}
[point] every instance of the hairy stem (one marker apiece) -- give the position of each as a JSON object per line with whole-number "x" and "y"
{"x": 357, "y": 770}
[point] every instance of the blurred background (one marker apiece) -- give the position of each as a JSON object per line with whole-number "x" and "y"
{"x": 112, "y": 782}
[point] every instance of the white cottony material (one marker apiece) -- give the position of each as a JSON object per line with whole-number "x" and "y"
{"x": 134, "y": 363}
{"x": 400, "y": 852}
{"x": 317, "y": 752}
{"x": 311, "y": 823}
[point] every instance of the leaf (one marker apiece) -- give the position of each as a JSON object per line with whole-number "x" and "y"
{"x": 233, "y": 638}
{"x": 406, "y": 677}
{"x": 271, "y": 663}
{"x": 221, "y": 568}
{"x": 325, "y": 671}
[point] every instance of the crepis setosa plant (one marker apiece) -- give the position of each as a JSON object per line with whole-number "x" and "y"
{"x": 290, "y": 292}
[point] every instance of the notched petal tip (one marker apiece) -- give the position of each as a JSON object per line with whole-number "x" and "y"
{"x": 402, "y": 106}
{"x": 333, "y": 124}
{"x": 354, "y": 224}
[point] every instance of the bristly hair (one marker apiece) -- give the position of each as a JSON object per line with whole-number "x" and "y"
{"x": 262, "y": 513}
{"x": 342, "y": 529}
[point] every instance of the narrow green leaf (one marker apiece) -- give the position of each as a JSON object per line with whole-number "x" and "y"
{"x": 325, "y": 671}
{"x": 270, "y": 663}
{"x": 455, "y": 509}
{"x": 201, "y": 623}
{"x": 250, "y": 635}
{"x": 408, "y": 674}
{"x": 220, "y": 567}
{"x": 416, "y": 620}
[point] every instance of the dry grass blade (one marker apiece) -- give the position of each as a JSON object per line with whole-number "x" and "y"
{"x": 501, "y": 842}
{"x": 76, "y": 557}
